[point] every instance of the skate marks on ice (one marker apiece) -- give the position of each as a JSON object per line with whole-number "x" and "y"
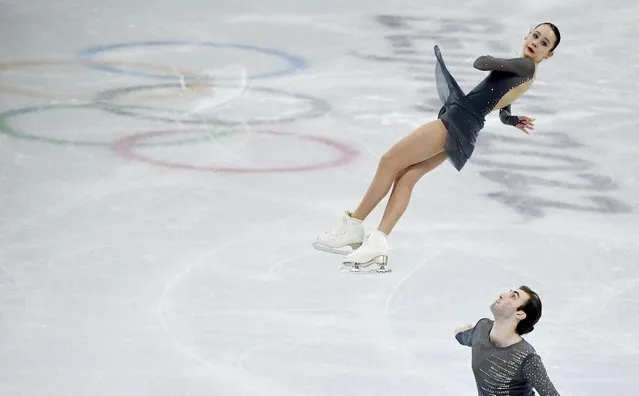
{"x": 194, "y": 299}
{"x": 197, "y": 347}
{"x": 353, "y": 360}
{"x": 597, "y": 316}
{"x": 13, "y": 305}
{"x": 600, "y": 309}
{"x": 367, "y": 363}
{"x": 280, "y": 336}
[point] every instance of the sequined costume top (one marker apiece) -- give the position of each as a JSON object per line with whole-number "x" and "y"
{"x": 506, "y": 75}
{"x": 514, "y": 370}
{"x": 464, "y": 114}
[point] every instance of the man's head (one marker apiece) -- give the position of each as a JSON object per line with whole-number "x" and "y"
{"x": 521, "y": 306}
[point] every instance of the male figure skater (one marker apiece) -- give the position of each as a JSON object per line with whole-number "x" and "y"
{"x": 503, "y": 362}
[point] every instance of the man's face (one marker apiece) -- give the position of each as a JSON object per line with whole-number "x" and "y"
{"x": 507, "y": 304}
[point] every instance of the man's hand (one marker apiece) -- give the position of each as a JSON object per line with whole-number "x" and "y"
{"x": 464, "y": 328}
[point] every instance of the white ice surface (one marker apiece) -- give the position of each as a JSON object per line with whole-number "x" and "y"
{"x": 124, "y": 277}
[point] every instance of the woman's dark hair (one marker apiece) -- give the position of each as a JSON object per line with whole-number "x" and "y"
{"x": 532, "y": 309}
{"x": 555, "y": 30}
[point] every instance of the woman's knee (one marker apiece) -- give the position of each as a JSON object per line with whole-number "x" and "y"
{"x": 390, "y": 162}
{"x": 407, "y": 181}
{"x": 409, "y": 177}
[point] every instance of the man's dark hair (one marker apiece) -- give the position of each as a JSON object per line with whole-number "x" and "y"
{"x": 532, "y": 309}
{"x": 555, "y": 29}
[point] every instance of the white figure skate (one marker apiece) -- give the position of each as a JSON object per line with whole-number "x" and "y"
{"x": 374, "y": 250}
{"x": 349, "y": 232}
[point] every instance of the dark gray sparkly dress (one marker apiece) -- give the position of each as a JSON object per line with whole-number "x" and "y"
{"x": 464, "y": 114}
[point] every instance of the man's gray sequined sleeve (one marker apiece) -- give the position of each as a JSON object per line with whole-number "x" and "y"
{"x": 534, "y": 372}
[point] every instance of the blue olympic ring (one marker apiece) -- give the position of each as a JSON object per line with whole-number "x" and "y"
{"x": 295, "y": 63}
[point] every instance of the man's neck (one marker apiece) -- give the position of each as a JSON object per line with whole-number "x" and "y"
{"x": 503, "y": 334}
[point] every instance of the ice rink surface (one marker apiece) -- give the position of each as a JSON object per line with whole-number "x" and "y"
{"x": 165, "y": 167}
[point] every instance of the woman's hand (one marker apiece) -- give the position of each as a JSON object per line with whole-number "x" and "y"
{"x": 526, "y": 124}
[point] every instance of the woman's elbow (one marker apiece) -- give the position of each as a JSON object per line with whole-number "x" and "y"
{"x": 481, "y": 63}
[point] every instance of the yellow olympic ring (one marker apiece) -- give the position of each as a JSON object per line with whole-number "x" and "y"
{"x": 192, "y": 87}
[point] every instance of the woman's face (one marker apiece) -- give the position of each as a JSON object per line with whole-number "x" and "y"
{"x": 538, "y": 43}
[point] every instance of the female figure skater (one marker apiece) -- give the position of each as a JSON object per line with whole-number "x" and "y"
{"x": 451, "y": 136}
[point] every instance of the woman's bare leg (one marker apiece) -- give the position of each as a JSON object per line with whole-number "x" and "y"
{"x": 423, "y": 143}
{"x": 403, "y": 188}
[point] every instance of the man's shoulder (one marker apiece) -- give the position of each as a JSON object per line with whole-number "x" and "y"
{"x": 485, "y": 323}
{"x": 526, "y": 347}
{"x": 483, "y": 327}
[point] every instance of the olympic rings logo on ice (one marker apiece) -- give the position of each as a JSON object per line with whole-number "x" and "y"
{"x": 202, "y": 122}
